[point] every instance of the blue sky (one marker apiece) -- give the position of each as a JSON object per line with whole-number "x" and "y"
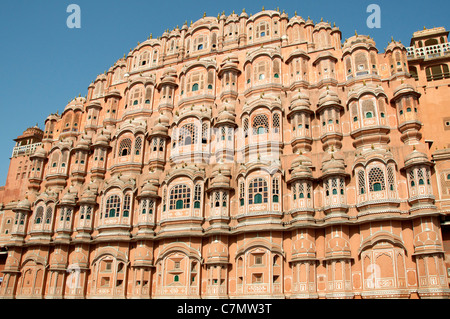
{"x": 46, "y": 64}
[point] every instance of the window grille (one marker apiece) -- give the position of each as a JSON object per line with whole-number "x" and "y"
{"x": 125, "y": 147}
{"x": 180, "y": 197}
{"x": 188, "y": 134}
{"x": 376, "y": 179}
{"x": 138, "y": 145}
{"x": 260, "y": 124}
{"x": 258, "y": 191}
{"x": 39, "y": 215}
{"x": 112, "y": 206}
{"x": 48, "y": 215}
{"x": 362, "y": 182}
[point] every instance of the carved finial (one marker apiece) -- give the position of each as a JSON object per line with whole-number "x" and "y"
{"x": 356, "y": 33}
{"x": 263, "y": 9}
{"x": 151, "y": 35}
{"x": 204, "y": 14}
{"x": 295, "y": 13}
{"x": 321, "y": 19}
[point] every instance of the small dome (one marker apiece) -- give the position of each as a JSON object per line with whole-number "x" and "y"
{"x": 24, "y": 205}
{"x": 300, "y": 101}
{"x": 102, "y": 139}
{"x": 226, "y": 116}
{"x": 69, "y": 199}
{"x": 333, "y": 165}
{"x": 220, "y": 180}
{"x": 365, "y": 40}
{"x": 427, "y": 240}
{"x": 395, "y": 44}
{"x": 337, "y": 246}
{"x": 415, "y": 158}
{"x": 160, "y": 129}
{"x": 301, "y": 159}
{"x": 149, "y": 190}
{"x": 58, "y": 260}
{"x": 217, "y": 252}
{"x": 40, "y": 152}
{"x": 143, "y": 254}
{"x": 83, "y": 142}
{"x": 79, "y": 258}
{"x": 303, "y": 248}
{"x": 328, "y": 97}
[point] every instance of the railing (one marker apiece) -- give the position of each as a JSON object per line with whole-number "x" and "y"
{"x": 25, "y": 149}
{"x": 431, "y": 51}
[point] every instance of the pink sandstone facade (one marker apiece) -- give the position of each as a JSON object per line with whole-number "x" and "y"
{"x": 250, "y": 156}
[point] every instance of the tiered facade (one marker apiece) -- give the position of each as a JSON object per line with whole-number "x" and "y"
{"x": 240, "y": 156}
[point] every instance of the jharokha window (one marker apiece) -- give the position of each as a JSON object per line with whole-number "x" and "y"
{"x": 125, "y": 147}
{"x": 112, "y": 206}
{"x": 262, "y": 30}
{"x": 195, "y": 82}
{"x": 257, "y": 192}
{"x": 188, "y": 135}
{"x": 180, "y": 197}
{"x": 260, "y": 124}
{"x": 376, "y": 180}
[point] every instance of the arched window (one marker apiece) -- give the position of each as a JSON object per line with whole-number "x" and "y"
{"x": 276, "y": 122}
{"x": 197, "y": 195}
{"x": 262, "y": 30}
{"x": 136, "y": 96}
{"x": 48, "y": 215}
{"x": 144, "y": 58}
{"x": 258, "y": 186}
{"x": 137, "y": 145}
{"x": 126, "y": 206}
{"x": 260, "y": 124}
{"x": 125, "y": 147}
{"x": 275, "y": 190}
{"x": 204, "y": 133}
{"x": 241, "y": 194}
{"x": 180, "y": 197}
{"x": 39, "y": 215}
{"x": 195, "y": 87}
{"x": 362, "y": 182}
{"x": 112, "y": 206}
{"x": 188, "y": 134}
{"x": 368, "y": 108}
{"x": 376, "y": 180}
{"x": 245, "y": 125}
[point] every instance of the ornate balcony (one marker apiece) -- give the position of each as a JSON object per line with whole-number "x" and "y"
{"x": 25, "y": 149}
{"x": 429, "y": 52}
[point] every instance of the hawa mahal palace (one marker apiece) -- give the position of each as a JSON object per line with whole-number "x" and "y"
{"x": 240, "y": 156}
